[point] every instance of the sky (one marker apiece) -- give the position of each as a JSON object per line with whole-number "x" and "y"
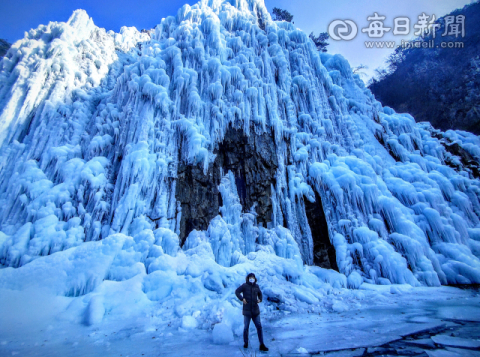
{"x": 18, "y": 16}
{"x": 316, "y": 15}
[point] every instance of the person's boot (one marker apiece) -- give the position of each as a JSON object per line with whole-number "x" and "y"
{"x": 245, "y": 345}
{"x": 263, "y": 348}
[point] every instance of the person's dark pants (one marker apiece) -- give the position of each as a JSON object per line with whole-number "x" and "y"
{"x": 258, "y": 325}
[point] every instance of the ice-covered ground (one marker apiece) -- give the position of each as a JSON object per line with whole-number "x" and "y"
{"x": 403, "y": 320}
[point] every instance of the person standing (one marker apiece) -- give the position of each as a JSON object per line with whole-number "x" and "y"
{"x": 251, "y": 295}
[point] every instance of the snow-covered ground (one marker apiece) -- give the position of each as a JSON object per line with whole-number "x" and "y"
{"x": 398, "y": 318}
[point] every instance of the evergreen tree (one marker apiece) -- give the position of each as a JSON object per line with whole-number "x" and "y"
{"x": 320, "y": 41}
{"x": 4, "y": 46}
{"x": 281, "y": 15}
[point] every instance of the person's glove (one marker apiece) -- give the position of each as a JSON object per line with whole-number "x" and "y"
{"x": 259, "y": 301}
{"x": 244, "y": 302}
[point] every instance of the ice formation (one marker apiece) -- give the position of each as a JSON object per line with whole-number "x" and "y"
{"x": 94, "y": 124}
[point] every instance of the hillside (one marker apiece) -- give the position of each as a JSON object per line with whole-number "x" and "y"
{"x": 439, "y": 85}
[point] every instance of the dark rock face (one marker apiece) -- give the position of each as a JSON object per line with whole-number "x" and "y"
{"x": 468, "y": 161}
{"x": 458, "y": 154}
{"x": 252, "y": 160}
{"x": 199, "y": 197}
{"x": 323, "y": 250}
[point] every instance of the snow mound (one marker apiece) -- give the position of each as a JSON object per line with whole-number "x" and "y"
{"x": 222, "y": 334}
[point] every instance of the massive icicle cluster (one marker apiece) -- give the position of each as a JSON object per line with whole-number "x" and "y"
{"x": 94, "y": 125}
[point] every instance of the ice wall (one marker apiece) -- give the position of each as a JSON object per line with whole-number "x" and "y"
{"x": 94, "y": 124}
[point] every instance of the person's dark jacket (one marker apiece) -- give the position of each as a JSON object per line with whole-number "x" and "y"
{"x": 250, "y": 293}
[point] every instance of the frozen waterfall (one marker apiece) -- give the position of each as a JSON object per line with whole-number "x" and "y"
{"x": 94, "y": 126}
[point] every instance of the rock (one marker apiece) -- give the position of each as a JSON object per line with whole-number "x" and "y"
{"x": 199, "y": 198}
{"x": 323, "y": 251}
{"x": 253, "y": 161}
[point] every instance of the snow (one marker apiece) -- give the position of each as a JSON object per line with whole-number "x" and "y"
{"x": 222, "y": 334}
{"x": 189, "y": 322}
{"x": 301, "y": 350}
{"x": 34, "y": 318}
{"x": 93, "y": 127}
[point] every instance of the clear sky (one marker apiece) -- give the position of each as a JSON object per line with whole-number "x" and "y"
{"x": 18, "y": 16}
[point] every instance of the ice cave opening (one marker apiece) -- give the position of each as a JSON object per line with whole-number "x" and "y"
{"x": 323, "y": 250}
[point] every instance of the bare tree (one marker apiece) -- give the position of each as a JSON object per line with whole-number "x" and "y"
{"x": 358, "y": 70}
